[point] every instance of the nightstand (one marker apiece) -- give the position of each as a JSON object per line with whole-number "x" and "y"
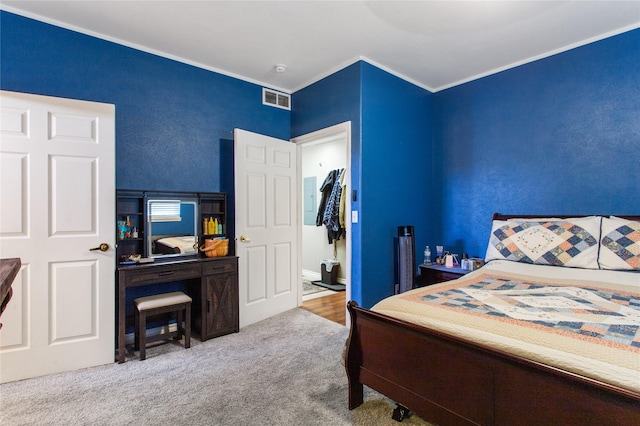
{"x": 433, "y": 274}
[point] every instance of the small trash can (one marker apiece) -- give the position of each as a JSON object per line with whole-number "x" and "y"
{"x": 329, "y": 270}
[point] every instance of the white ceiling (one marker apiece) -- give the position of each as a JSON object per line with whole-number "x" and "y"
{"x": 434, "y": 44}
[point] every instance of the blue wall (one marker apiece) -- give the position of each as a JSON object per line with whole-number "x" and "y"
{"x": 557, "y": 136}
{"x": 333, "y": 100}
{"x": 397, "y": 175}
{"x": 174, "y": 121}
{"x": 391, "y": 164}
{"x": 170, "y": 117}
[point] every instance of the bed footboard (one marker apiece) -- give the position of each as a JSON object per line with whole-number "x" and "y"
{"x": 447, "y": 380}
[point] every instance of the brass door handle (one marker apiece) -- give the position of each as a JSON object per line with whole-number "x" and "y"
{"x": 101, "y": 247}
{"x": 244, "y": 239}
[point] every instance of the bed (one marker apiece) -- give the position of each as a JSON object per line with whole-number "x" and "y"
{"x": 474, "y": 351}
{"x": 175, "y": 244}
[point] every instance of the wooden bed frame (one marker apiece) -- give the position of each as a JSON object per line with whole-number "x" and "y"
{"x": 450, "y": 381}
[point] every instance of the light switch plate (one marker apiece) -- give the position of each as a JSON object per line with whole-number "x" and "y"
{"x": 354, "y": 216}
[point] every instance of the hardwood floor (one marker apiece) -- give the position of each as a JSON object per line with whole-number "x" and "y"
{"x": 331, "y": 307}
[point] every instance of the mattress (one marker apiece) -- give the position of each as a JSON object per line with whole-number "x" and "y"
{"x": 582, "y": 321}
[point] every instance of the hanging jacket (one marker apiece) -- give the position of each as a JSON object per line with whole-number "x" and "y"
{"x": 330, "y": 218}
{"x": 326, "y": 188}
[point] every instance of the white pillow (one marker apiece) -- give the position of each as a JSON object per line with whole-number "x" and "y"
{"x": 569, "y": 242}
{"x": 620, "y": 244}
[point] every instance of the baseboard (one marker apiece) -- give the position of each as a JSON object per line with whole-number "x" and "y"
{"x": 316, "y": 276}
{"x": 311, "y": 275}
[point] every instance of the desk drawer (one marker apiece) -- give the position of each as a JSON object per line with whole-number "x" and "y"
{"x": 219, "y": 266}
{"x": 162, "y": 273}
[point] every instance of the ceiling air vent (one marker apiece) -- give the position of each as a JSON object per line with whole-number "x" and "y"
{"x": 276, "y": 99}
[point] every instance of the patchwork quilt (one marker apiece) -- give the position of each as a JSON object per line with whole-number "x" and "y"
{"x": 581, "y": 312}
{"x": 584, "y": 326}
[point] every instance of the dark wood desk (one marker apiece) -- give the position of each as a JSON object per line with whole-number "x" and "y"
{"x": 212, "y": 283}
{"x": 9, "y": 268}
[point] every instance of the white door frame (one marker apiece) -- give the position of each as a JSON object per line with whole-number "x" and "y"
{"x": 327, "y": 133}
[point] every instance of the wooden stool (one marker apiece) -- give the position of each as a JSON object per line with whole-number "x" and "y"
{"x": 160, "y": 304}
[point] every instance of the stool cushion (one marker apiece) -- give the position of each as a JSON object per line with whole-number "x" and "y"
{"x": 159, "y": 300}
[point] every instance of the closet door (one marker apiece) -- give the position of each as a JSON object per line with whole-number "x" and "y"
{"x": 57, "y": 196}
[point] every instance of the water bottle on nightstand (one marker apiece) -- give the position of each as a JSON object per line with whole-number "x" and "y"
{"x": 427, "y": 256}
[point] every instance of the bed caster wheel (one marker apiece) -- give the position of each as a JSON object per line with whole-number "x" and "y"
{"x": 400, "y": 413}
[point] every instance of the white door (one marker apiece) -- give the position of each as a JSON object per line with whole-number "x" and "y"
{"x": 57, "y": 195}
{"x": 265, "y": 192}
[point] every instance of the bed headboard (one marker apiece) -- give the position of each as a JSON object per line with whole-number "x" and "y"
{"x": 500, "y": 216}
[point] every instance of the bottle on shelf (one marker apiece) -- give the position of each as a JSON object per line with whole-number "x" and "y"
{"x": 210, "y": 229}
{"x": 427, "y": 256}
{"x": 127, "y": 231}
{"x": 122, "y": 229}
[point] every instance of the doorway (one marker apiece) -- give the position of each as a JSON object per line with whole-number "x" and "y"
{"x": 319, "y": 153}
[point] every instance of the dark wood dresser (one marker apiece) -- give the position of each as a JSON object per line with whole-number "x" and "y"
{"x": 212, "y": 283}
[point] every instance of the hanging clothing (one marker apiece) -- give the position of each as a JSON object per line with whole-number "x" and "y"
{"x": 330, "y": 218}
{"x": 343, "y": 204}
{"x": 328, "y": 213}
{"x": 325, "y": 188}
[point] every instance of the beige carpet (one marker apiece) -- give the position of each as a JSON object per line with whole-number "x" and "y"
{"x": 285, "y": 370}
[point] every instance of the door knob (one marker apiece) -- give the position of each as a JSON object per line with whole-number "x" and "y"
{"x": 101, "y": 247}
{"x": 244, "y": 239}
